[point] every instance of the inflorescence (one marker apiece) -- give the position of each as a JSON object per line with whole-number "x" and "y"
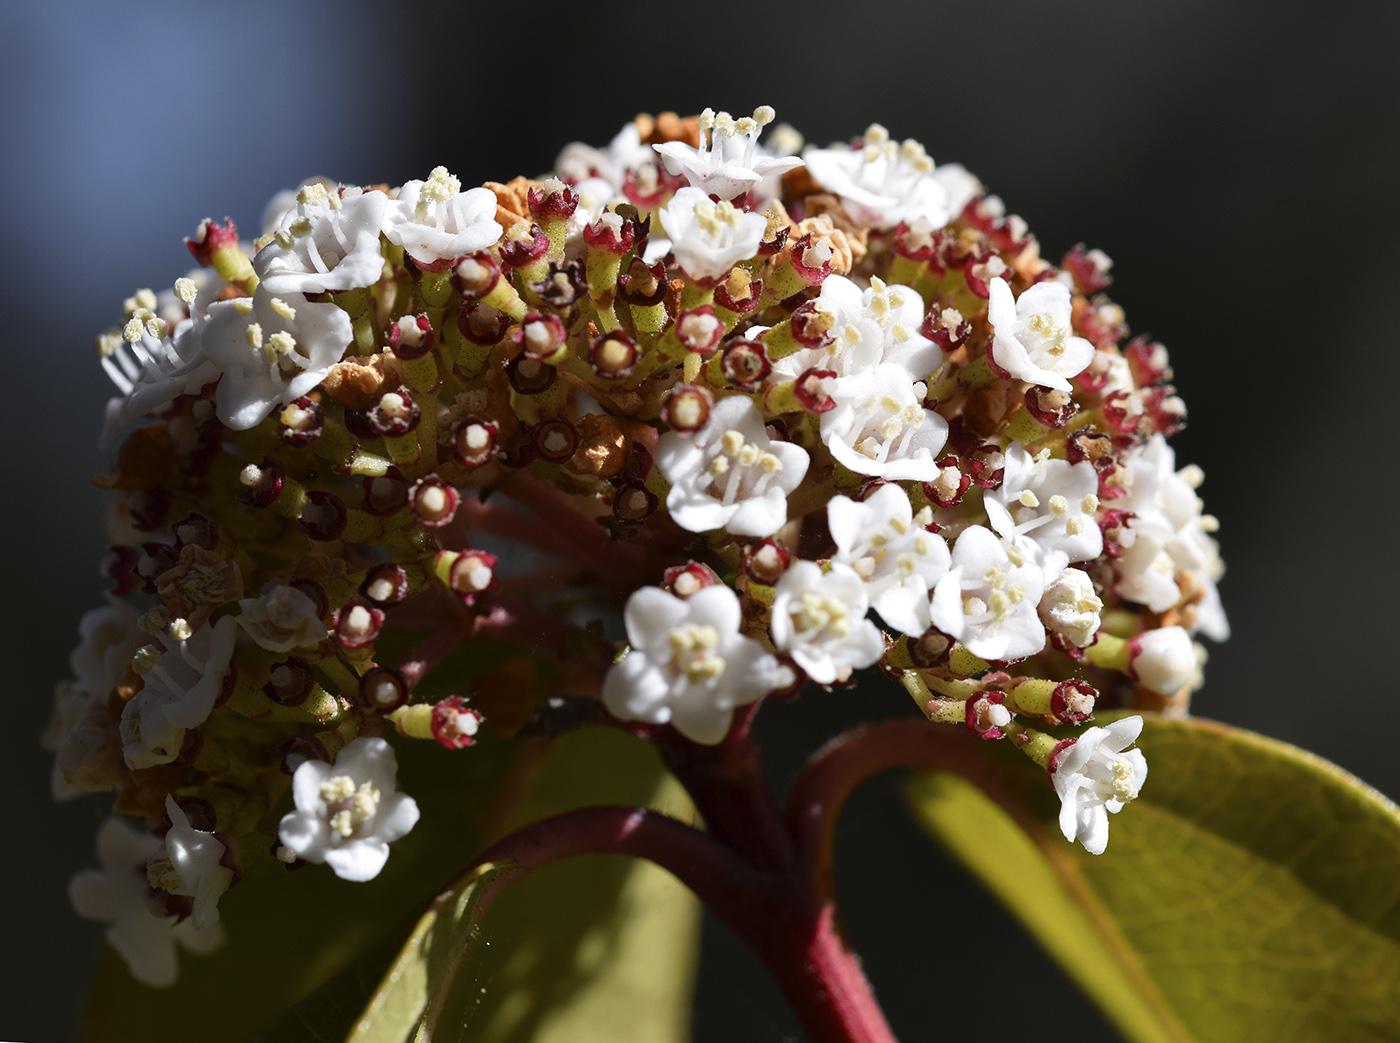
{"x": 796, "y": 412}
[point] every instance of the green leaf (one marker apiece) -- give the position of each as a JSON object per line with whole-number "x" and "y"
{"x": 591, "y": 948}
{"x": 1252, "y": 892}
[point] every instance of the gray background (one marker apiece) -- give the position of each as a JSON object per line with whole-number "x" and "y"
{"x": 1238, "y": 162}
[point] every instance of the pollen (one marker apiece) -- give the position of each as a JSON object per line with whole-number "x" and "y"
{"x": 282, "y": 308}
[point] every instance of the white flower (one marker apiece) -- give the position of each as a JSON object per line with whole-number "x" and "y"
{"x": 729, "y": 165}
{"x": 282, "y": 618}
{"x": 1070, "y": 607}
{"x": 1166, "y": 535}
{"x": 708, "y": 238}
{"x": 1094, "y": 777}
{"x": 1050, "y": 505}
{"x": 347, "y": 814}
{"x": 988, "y": 598}
{"x": 325, "y": 242}
{"x": 181, "y": 687}
{"x": 118, "y": 894}
{"x": 892, "y": 551}
{"x": 579, "y": 162}
{"x": 151, "y": 367}
{"x": 959, "y": 186}
{"x": 1033, "y": 338}
{"x": 819, "y": 619}
{"x": 436, "y": 221}
{"x": 1164, "y": 659}
{"x": 271, "y": 350}
{"x": 879, "y": 425}
{"x": 877, "y": 325}
{"x": 689, "y": 665}
{"x": 882, "y": 183}
{"x": 189, "y": 863}
{"x": 730, "y": 474}
{"x": 110, "y": 637}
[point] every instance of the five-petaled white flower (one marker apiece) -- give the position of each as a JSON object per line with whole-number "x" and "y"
{"x": 892, "y": 550}
{"x": 879, "y": 324}
{"x": 118, "y": 894}
{"x": 152, "y": 364}
{"x": 1094, "y": 777}
{"x": 730, "y": 474}
{"x": 882, "y": 183}
{"x": 1033, "y": 338}
{"x": 819, "y": 619}
{"x": 328, "y": 241}
{"x": 988, "y": 598}
{"x": 729, "y": 164}
{"x": 436, "y": 222}
{"x": 1050, "y": 506}
{"x": 181, "y": 686}
{"x": 348, "y": 813}
{"x": 880, "y": 427}
{"x": 689, "y": 666}
{"x": 282, "y": 618}
{"x": 190, "y": 863}
{"x": 1164, "y": 659}
{"x": 709, "y": 238}
{"x": 271, "y": 350}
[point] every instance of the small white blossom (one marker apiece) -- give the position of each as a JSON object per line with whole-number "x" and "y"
{"x": 879, "y": 324}
{"x": 730, "y": 163}
{"x": 189, "y": 863}
{"x": 1033, "y": 335}
{"x": 181, "y": 686}
{"x": 324, "y": 243}
{"x": 579, "y": 162}
{"x": 709, "y": 238}
{"x": 109, "y": 638}
{"x": 1071, "y": 608}
{"x": 730, "y": 474}
{"x": 152, "y": 370}
{"x": 1050, "y": 505}
{"x": 1164, "y": 659}
{"x": 271, "y": 350}
{"x": 960, "y": 186}
{"x": 1094, "y": 777}
{"x": 435, "y": 221}
{"x": 882, "y": 183}
{"x": 689, "y": 666}
{"x": 348, "y": 813}
{"x": 988, "y": 598}
{"x": 1166, "y": 535}
{"x": 892, "y": 551}
{"x": 819, "y": 619}
{"x": 880, "y": 427}
{"x": 283, "y": 618}
{"x": 118, "y": 894}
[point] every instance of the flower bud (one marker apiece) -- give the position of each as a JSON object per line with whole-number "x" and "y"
{"x": 985, "y": 715}
{"x": 290, "y": 683}
{"x": 411, "y": 337}
{"x": 541, "y": 337}
{"x": 433, "y": 502}
{"x": 356, "y": 624}
{"x": 1089, "y": 268}
{"x": 385, "y": 584}
{"x": 301, "y": 423}
{"x": 196, "y": 530}
{"x": 454, "y": 724}
{"x": 385, "y": 494}
{"x": 690, "y": 578}
{"x": 687, "y": 408}
{"x": 383, "y": 689}
{"x": 946, "y": 327}
{"x": 467, "y": 573}
{"x": 949, "y": 486}
{"x": 475, "y": 276}
{"x": 552, "y": 201}
{"x": 555, "y": 440}
{"x": 613, "y": 356}
{"x": 1050, "y": 407}
{"x": 634, "y": 503}
{"x": 766, "y": 562}
{"x": 1164, "y": 659}
{"x": 210, "y": 239}
{"x": 394, "y": 414}
{"x": 611, "y": 233}
{"x": 643, "y": 285}
{"x": 262, "y": 483}
{"x": 523, "y": 245}
{"x": 476, "y": 441}
{"x": 530, "y": 376}
{"x": 698, "y": 330}
{"x": 811, "y": 324}
{"x": 745, "y": 364}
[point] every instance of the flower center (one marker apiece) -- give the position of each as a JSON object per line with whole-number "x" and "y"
{"x": 693, "y": 652}
{"x": 349, "y": 806}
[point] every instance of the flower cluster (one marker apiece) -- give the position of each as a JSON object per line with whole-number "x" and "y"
{"x": 793, "y": 413}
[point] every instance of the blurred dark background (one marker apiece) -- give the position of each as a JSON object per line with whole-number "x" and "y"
{"x": 1237, "y": 161}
